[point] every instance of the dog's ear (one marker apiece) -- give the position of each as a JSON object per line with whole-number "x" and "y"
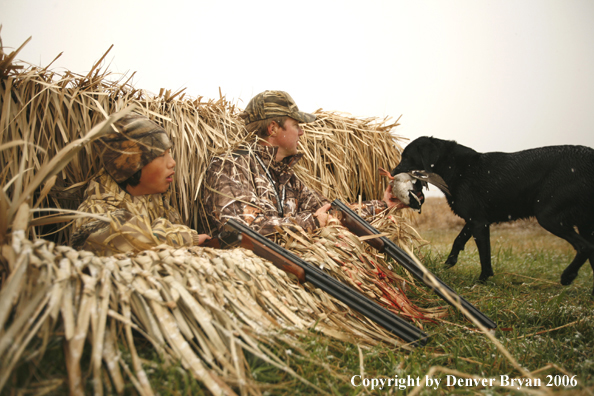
{"x": 429, "y": 155}
{"x": 419, "y": 155}
{"x": 422, "y": 154}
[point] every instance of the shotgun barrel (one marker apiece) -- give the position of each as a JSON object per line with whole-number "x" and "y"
{"x": 360, "y": 227}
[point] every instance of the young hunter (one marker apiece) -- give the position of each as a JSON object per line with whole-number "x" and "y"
{"x": 256, "y": 184}
{"x": 132, "y": 192}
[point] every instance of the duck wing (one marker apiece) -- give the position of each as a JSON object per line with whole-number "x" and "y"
{"x": 432, "y": 178}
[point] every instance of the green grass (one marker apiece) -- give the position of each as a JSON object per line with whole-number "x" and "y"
{"x": 524, "y": 297}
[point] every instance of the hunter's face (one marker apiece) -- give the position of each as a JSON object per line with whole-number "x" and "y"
{"x": 287, "y": 138}
{"x": 157, "y": 175}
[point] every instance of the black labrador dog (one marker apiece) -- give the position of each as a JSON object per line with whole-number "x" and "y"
{"x": 555, "y": 184}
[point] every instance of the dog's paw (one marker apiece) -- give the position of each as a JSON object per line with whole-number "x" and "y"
{"x": 451, "y": 261}
{"x": 484, "y": 276}
{"x": 567, "y": 278}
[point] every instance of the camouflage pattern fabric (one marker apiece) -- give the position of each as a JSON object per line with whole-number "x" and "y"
{"x": 270, "y": 104}
{"x": 136, "y": 223}
{"x": 236, "y": 186}
{"x": 137, "y": 142}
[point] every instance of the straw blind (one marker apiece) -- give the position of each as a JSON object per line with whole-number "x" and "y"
{"x": 202, "y": 307}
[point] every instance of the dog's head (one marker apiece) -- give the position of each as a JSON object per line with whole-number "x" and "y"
{"x": 420, "y": 154}
{"x": 419, "y": 161}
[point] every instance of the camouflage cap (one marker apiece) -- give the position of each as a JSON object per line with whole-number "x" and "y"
{"x": 138, "y": 142}
{"x": 270, "y": 104}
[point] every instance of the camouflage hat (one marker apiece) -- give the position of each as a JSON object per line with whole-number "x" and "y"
{"x": 138, "y": 142}
{"x": 270, "y": 104}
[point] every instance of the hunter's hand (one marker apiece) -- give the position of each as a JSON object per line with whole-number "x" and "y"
{"x": 322, "y": 215}
{"x": 202, "y": 238}
{"x": 391, "y": 200}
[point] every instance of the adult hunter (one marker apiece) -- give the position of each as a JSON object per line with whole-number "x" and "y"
{"x": 256, "y": 184}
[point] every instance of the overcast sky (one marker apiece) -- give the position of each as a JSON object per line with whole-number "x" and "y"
{"x": 493, "y": 75}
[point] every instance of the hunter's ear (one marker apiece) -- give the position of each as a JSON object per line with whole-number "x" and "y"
{"x": 272, "y": 128}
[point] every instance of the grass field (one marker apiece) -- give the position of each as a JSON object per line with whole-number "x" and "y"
{"x": 544, "y": 329}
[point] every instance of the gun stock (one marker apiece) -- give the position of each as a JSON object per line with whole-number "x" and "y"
{"x": 360, "y": 227}
{"x": 245, "y": 241}
{"x": 360, "y": 230}
{"x": 277, "y": 259}
{"x": 212, "y": 243}
{"x": 306, "y": 272}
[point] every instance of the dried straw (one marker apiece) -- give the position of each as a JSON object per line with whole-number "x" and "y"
{"x": 202, "y": 307}
{"x": 43, "y": 111}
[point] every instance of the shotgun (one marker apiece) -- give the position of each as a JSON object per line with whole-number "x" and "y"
{"x": 360, "y": 227}
{"x": 235, "y": 233}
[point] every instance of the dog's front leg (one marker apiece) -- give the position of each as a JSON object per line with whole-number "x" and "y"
{"x": 458, "y": 245}
{"x": 480, "y": 231}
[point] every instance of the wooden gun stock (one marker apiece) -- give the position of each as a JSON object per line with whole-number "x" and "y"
{"x": 212, "y": 243}
{"x": 358, "y": 229}
{"x": 275, "y": 258}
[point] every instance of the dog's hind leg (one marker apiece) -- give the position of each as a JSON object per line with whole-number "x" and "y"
{"x": 458, "y": 246}
{"x": 588, "y": 234}
{"x": 584, "y": 249}
{"x": 571, "y": 272}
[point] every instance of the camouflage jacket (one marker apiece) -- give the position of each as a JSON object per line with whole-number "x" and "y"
{"x": 250, "y": 186}
{"x": 136, "y": 223}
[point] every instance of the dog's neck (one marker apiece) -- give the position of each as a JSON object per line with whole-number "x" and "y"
{"x": 448, "y": 168}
